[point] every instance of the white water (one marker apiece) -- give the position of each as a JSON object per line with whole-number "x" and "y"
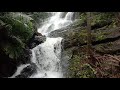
{"x": 19, "y": 69}
{"x": 47, "y": 58}
{"x": 47, "y": 55}
{"x": 56, "y": 22}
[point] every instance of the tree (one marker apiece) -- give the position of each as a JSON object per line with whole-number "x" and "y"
{"x": 117, "y": 16}
{"x": 90, "y": 56}
{"x": 89, "y": 34}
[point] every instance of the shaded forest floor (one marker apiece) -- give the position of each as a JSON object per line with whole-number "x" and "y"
{"x": 105, "y": 60}
{"x": 98, "y": 66}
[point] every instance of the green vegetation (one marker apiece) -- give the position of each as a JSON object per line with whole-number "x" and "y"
{"x": 38, "y": 17}
{"x": 18, "y": 29}
{"x": 77, "y": 69}
{"x": 103, "y": 26}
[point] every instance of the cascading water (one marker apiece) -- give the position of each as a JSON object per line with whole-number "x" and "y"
{"x": 47, "y": 58}
{"x": 47, "y": 55}
{"x": 55, "y": 22}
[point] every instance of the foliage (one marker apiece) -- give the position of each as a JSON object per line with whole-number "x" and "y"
{"x": 80, "y": 70}
{"x": 101, "y": 22}
{"x": 86, "y": 72}
{"x": 99, "y": 35}
{"x": 38, "y": 17}
{"x": 19, "y": 29}
{"x": 99, "y": 17}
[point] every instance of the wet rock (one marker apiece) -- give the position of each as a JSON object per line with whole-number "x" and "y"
{"x": 75, "y": 34}
{"x": 67, "y": 33}
{"x": 37, "y": 39}
{"x": 25, "y": 57}
{"x": 28, "y": 71}
{"x": 63, "y": 32}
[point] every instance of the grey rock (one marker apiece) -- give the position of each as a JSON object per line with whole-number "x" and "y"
{"x": 36, "y": 40}
{"x": 28, "y": 71}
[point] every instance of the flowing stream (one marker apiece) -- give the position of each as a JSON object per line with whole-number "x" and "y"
{"x": 47, "y": 56}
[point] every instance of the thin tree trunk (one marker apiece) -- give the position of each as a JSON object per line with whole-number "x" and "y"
{"x": 90, "y": 57}
{"x": 117, "y": 15}
{"x": 89, "y": 34}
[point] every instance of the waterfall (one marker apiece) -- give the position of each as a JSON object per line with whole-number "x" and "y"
{"x": 47, "y": 55}
{"x": 55, "y": 22}
{"x": 47, "y": 58}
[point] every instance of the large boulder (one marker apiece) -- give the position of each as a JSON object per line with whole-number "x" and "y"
{"x": 36, "y": 39}
{"x": 27, "y": 71}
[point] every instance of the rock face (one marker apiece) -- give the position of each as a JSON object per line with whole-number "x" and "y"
{"x": 68, "y": 34}
{"x": 36, "y": 40}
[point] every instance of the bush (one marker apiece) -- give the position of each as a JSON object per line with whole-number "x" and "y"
{"x": 86, "y": 72}
{"x": 77, "y": 69}
{"x": 18, "y": 29}
{"x": 21, "y": 27}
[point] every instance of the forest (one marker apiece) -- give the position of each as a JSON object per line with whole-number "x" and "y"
{"x": 59, "y": 45}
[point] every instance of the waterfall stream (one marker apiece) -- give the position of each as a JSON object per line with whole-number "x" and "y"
{"x": 47, "y": 56}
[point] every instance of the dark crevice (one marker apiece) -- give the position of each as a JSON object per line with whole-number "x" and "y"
{"x": 103, "y": 41}
{"x": 106, "y": 40}
{"x": 94, "y": 42}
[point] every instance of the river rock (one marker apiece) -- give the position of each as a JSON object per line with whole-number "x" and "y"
{"x": 28, "y": 71}
{"x": 37, "y": 39}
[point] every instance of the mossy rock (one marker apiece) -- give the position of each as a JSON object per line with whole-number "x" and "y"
{"x": 19, "y": 28}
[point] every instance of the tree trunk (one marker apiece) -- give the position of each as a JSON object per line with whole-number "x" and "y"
{"x": 117, "y": 15}
{"x": 90, "y": 57}
{"x": 88, "y": 34}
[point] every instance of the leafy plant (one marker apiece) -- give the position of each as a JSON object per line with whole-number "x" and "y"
{"x": 18, "y": 29}
{"x": 77, "y": 69}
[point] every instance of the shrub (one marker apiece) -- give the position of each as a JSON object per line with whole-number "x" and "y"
{"x": 19, "y": 28}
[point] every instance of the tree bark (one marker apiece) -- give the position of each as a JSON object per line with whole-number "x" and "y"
{"x": 117, "y": 15}
{"x": 90, "y": 57}
{"x": 89, "y": 43}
